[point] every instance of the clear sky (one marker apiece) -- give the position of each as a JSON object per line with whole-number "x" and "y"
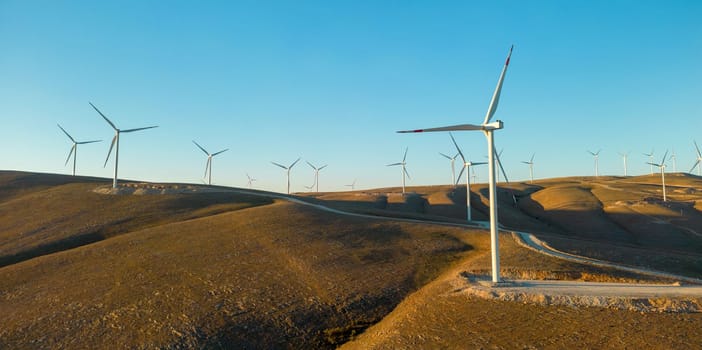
{"x": 331, "y": 82}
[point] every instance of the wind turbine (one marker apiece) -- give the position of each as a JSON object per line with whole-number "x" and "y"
{"x": 499, "y": 165}
{"x": 650, "y": 159}
{"x": 597, "y": 157}
{"x": 352, "y": 185}
{"x": 115, "y": 140}
{"x": 316, "y": 174}
{"x": 488, "y": 129}
{"x": 624, "y": 156}
{"x": 698, "y": 161}
{"x": 287, "y": 170}
{"x": 662, "y": 167}
{"x": 466, "y": 166}
{"x": 208, "y": 166}
{"x": 453, "y": 168}
{"x": 404, "y": 170}
{"x": 531, "y": 167}
{"x": 251, "y": 180}
{"x": 74, "y": 149}
{"x": 675, "y": 161}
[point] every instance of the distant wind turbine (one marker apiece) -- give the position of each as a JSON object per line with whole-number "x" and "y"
{"x": 650, "y": 159}
{"x": 661, "y": 166}
{"x": 287, "y": 170}
{"x": 404, "y": 170}
{"x": 453, "y": 168}
{"x": 597, "y": 157}
{"x": 208, "y": 166}
{"x": 488, "y": 129}
{"x": 624, "y": 156}
{"x": 316, "y": 174}
{"x": 531, "y": 167}
{"x": 352, "y": 185}
{"x": 675, "y": 161}
{"x": 466, "y": 166}
{"x": 251, "y": 180}
{"x": 115, "y": 140}
{"x": 74, "y": 148}
{"x": 698, "y": 161}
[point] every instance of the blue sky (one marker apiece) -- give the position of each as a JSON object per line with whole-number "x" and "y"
{"x": 331, "y": 82}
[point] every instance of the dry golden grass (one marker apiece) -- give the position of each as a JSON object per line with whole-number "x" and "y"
{"x": 227, "y": 270}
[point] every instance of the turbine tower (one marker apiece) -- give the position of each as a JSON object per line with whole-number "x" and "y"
{"x": 316, "y": 174}
{"x": 466, "y": 166}
{"x": 287, "y": 170}
{"x": 453, "y": 168}
{"x": 650, "y": 159}
{"x": 531, "y": 167}
{"x": 208, "y": 166}
{"x": 624, "y": 157}
{"x": 661, "y": 166}
{"x": 597, "y": 157}
{"x": 74, "y": 150}
{"x": 115, "y": 140}
{"x": 251, "y": 180}
{"x": 488, "y": 129}
{"x": 698, "y": 161}
{"x": 404, "y": 170}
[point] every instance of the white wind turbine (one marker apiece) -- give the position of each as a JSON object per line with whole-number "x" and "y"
{"x": 624, "y": 157}
{"x": 251, "y": 180}
{"x": 466, "y": 166}
{"x": 487, "y": 128}
{"x": 208, "y": 165}
{"x": 115, "y": 140}
{"x": 698, "y": 161}
{"x": 74, "y": 148}
{"x": 675, "y": 161}
{"x": 498, "y": 156}
{"x": 404, "y": 170}
{"x": 596, "y": 155}
{"x": 531, "y": 167}
{"x": 287, "y": 170}
{"x": 650, "y": 159}
{"x": 453, "y": 168}
{"x": 662, "y": 167}
{"x": 352, "y": 185}
{"x": 316, "y": 174}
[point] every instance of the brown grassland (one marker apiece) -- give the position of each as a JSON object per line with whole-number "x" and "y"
{"x": 225, "y": 268}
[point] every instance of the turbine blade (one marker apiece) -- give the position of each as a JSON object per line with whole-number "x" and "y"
{"x": 65, "y": 132}
{"x": 110, "y": 151}
{"x": 499, "y": 162}
{"x": 457, "y": 148}
{"x": 496, "y": 95}
{"x": 699, "y": 155}
{"x": 532, "y": 158}
{"x": 86, "y": 142}
{"x": 446, "y": 128}
{"x": 222, "y": 151}
{"x": 200, "y": 147}
{"x": 323, "y": 166}
{"x": 139, "y": 129}
{"x": 293, "y": 164}
{"x": 310, "y": 164}
{"x": 282, "y": 166}
{"x": 207, "y": 166}
{"x": 70, "y": 153}
{"x": 458, "y": 178}
{"x": 478, "y": 163}
{"x": 404, "y": 169}
{"x": 664, "y": 155}
{"x": 104, "y": 117}
{"x": 694, "y": 166}
{"x": 445, "y": 156}
{"x": 394, "y": 164}
{"x": 405, "y": 156}
{"x": 525, "y": 162}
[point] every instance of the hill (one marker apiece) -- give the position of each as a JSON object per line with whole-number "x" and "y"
{"x": 186, "y": 266}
